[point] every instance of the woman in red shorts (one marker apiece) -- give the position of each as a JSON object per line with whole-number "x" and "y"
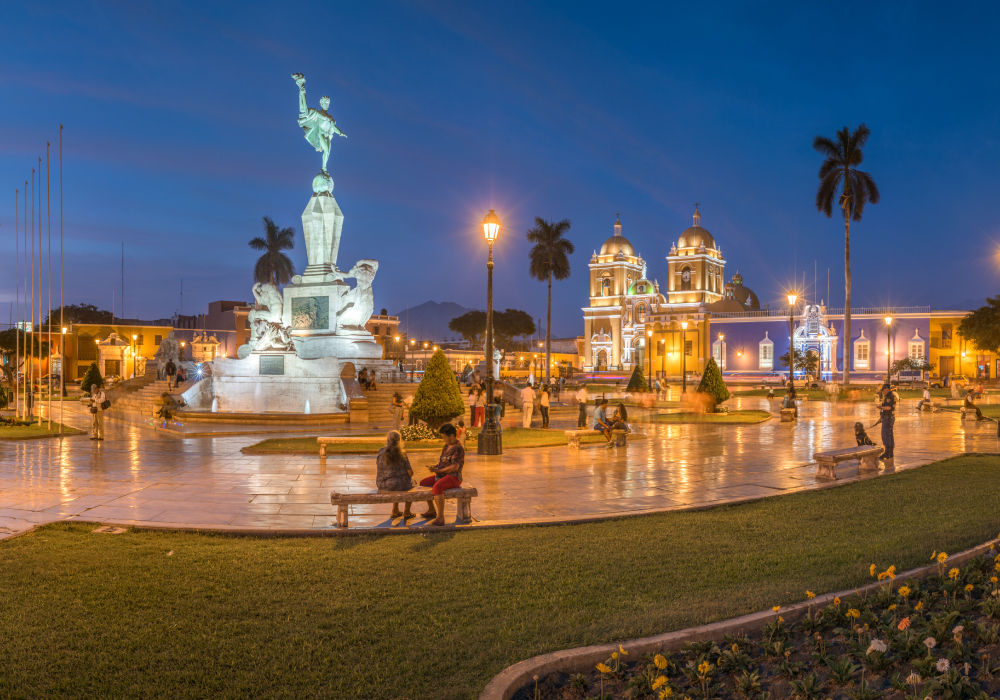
{"x": 447, "y": 473}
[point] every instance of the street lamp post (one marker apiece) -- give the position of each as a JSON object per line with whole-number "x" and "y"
{"x": 490, "y": 438}
{"x": 791, "y": 344}
{"x": 663, "y": 361}
{"x": 62, "y": 377}
{"x": 414, "y": 360}
{"x": 134, "y": 339}
{"x": 722, "y": 351}
{"x": 649, "y": 352}
{"x": 684, "y": 374}
{"x": 888, "y": 342}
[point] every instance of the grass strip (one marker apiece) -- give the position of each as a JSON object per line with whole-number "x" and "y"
{"x": 438, "y": 615}
{"x": 35, "y": 430}
{"x": 732, "y": 417}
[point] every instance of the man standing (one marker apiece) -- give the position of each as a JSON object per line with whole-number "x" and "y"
{"x": 171, "y": 371}
{"x": 888, "y": 410}
{"x": 97, "y": 398}
{"x": 581, "y": 397}
{"x": 528, "y": 397}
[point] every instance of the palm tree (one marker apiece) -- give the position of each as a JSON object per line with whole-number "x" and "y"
{"x": 274, "y": 267}
{"x": 843, "y": 156}
{"x": 549, "y": 259}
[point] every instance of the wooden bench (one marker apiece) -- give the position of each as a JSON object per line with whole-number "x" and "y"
{"x": 575, "y": 435}
{"x": 341, "y": 439}
{"x": 463, "y": 495}
{"x": 867, "y": 457}
{"x": 789, "y": 414}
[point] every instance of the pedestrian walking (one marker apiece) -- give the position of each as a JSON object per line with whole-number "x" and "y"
{"x": 97, "y": 399}
{"x": 888, "y": 411}
{"x": 472, "y": 407}
{"x": 480, "y": 408}
{"x": 544, "y": 406}
{"x": 171, "y": 371}
{"x": 528, "y": 397}
{"x": 397, "y": 411}
{"x": 581, "y": 397}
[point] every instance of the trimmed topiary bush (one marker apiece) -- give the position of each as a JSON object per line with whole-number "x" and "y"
{"x": 637, "y": 381}
{"x": 93, "y": 376}
{"x": 712, "y": 384}
{"x": 413, "y": 433}
{"x": 438, "y": 398}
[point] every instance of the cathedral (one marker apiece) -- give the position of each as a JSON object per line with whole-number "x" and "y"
{"x": 696, "y": 315}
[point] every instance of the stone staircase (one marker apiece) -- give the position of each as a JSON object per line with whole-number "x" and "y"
{"x": 380, "y": 400}
{"x": 139, "y": 396}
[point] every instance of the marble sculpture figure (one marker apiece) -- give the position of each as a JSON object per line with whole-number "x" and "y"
{"x": 358, "y": 304}
{"x": 317, "y": 123}
{"x": 267, "y": 307}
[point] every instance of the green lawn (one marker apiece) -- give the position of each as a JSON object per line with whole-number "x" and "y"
{"x": 35, "y": 430}
{"x": 512, "y": 437}
{"x": 437, "y": 615}
{"x": 732, "y": 417}
{"x": 991, "y": 410}
{"x": 779, "y": 392}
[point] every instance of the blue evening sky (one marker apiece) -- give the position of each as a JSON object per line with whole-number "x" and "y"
{"x": 180, "y": 135}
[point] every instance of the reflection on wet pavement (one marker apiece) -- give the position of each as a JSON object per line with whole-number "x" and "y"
{"x": 138, "y": 476}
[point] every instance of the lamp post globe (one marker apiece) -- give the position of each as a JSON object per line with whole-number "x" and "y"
{"x": 490, "y": 438}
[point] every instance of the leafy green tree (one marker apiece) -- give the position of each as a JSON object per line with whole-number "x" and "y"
{"x": 839, "y": 171}
{"x": 810, "y": 363}
{"x": 471, "y": 325}
{"x": 274, "y": 266}
{"x": 77, "y": 313}
{"x": 638, "y": 381}
{"x": 93, "y": 376}
{"x": 510, "y": 324}
{"x": 800, "y": 360}
{"x": 982, "y": 326}
{"x": 438, "y": 398}
{"x": 712, "y": 384}
{"x": 549, "y": 257}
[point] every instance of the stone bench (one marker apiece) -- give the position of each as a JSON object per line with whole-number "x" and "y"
{"x": 341, "y": 439}
{"x": 575, "y": 435}
{"x": 969, "y": 414}
{"x": 867, "y": 457}
{"x": 789, "y": 414}
{"x": 954, "y": 401}
{"x": 463, "y": 495}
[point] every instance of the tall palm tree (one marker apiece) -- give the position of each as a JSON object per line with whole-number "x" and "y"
{"x": 549, "y": 258}
{"x": 274, "y": 266}
{"x": 839, "y": 171}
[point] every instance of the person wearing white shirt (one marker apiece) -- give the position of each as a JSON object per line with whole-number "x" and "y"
{"x": 97, "y": 398}
{"x": 581, "y": 396}
{"x": 926, "y": 399}
{"x": 528, "y": 397}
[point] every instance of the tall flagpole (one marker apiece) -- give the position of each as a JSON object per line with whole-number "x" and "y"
{"x": 48, "y": 275}
{"x": 34, "y": 329}
{"x": 39, "y": 291}
{"x": 17, "y": 326}
{"x": 26, "y": 355}
{"x": 62, "y": 353}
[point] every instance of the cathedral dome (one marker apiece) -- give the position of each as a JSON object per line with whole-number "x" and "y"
{"x": 696, "y": 236}
{"x": 617, "y": 243}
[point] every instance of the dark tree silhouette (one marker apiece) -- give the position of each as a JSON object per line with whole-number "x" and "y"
{"x": 274, "y": 266}
{"x": 549, "y": 258}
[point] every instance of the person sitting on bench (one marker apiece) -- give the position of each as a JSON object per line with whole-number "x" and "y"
{"x": 393, "y": 471}
{"x": 447, "y": 473}
{"x": 601, "y": 421}
{"x": 970, "y": 406}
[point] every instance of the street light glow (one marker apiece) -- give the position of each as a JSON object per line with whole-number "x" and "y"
{"x": 888, "y": 320}
{"x": 684, "y": 325}
{"x": 791, "y": 299}
{"x": 491, "y": 227}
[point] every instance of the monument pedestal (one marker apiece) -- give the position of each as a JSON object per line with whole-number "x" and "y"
{"x": 322, "y": 223}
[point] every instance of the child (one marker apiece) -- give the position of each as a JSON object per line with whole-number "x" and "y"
{"x": 862, "y": 436}
{"x": 461, "y": 432}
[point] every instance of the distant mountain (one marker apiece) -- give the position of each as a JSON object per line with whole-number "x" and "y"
{"x": 429, "y": 321}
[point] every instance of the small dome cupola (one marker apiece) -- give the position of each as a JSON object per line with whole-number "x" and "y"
{"x": 737, "y": 278}
{"x": 697, "y": 216}
{"x": 618, "y": 225}
{"x": 617, "y": 244}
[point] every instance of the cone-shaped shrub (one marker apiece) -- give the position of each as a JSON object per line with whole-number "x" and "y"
{"x": 711, "y": 382}
{"x": 438, "y": 398}
{"x": 93, "y": 376}
{"x": 638, "y": 381}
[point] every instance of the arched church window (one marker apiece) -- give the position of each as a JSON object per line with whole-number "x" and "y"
{"x": 640, "y": 313}
{"x": 606, "y": 286}
{"x": 686, "y": 279}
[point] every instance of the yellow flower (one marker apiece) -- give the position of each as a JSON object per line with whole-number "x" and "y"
{"x": 993, "y": 579}
{"x": 892, "y": 607}
{"x": 919, "y": 606}
{"x": 854, "y": 612}
{"x": 904, "y": 591}
{"x": 780, "y": 618}
{"x": 953, "y": 574}
{"x": 942, "y": 557}
{"x": 603, "y": 669}
{"x": 718, "y": 662}
{"x": 776, "y": 608}
{"x": 882, "y": 575}
{"x": 968, "y": 587}
{"x": 704, "y": 667}
{"x": 810, "y": 595}
{"x": 934, "y": 555}
{"x": 836, "y": 601}
{"x": 660, "y": 661}
{"x": 658, "y": 683}
{"x": 666, "y": 693}
{"x": 614, "y": 655}
{"x": 871, "y": 569}
{"x": 736, "y": 648}
{"x": 621, "y": 649}
{"x": 891, "y": 570}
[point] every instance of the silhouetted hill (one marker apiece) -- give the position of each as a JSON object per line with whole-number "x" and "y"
{"x": 429, "y": 321}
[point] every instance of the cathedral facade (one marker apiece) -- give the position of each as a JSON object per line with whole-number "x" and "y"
{"x": 695, "y": 315}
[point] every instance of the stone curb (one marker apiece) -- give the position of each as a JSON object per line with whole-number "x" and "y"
{"x": 513, "y": 678}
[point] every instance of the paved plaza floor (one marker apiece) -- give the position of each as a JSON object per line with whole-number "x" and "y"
{"x": 139, "y": 476}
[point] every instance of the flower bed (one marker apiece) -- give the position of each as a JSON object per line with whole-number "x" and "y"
{"x": 938, "y": 637}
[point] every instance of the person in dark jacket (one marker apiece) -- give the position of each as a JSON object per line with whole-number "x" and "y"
{"x": 393, "y": 471}
{"x": 888, "y": 410}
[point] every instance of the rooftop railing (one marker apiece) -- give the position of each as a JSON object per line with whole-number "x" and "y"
{"x": 855, "y": 311}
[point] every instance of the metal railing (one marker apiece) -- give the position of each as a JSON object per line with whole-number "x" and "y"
{"x": 855, "y": 311}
